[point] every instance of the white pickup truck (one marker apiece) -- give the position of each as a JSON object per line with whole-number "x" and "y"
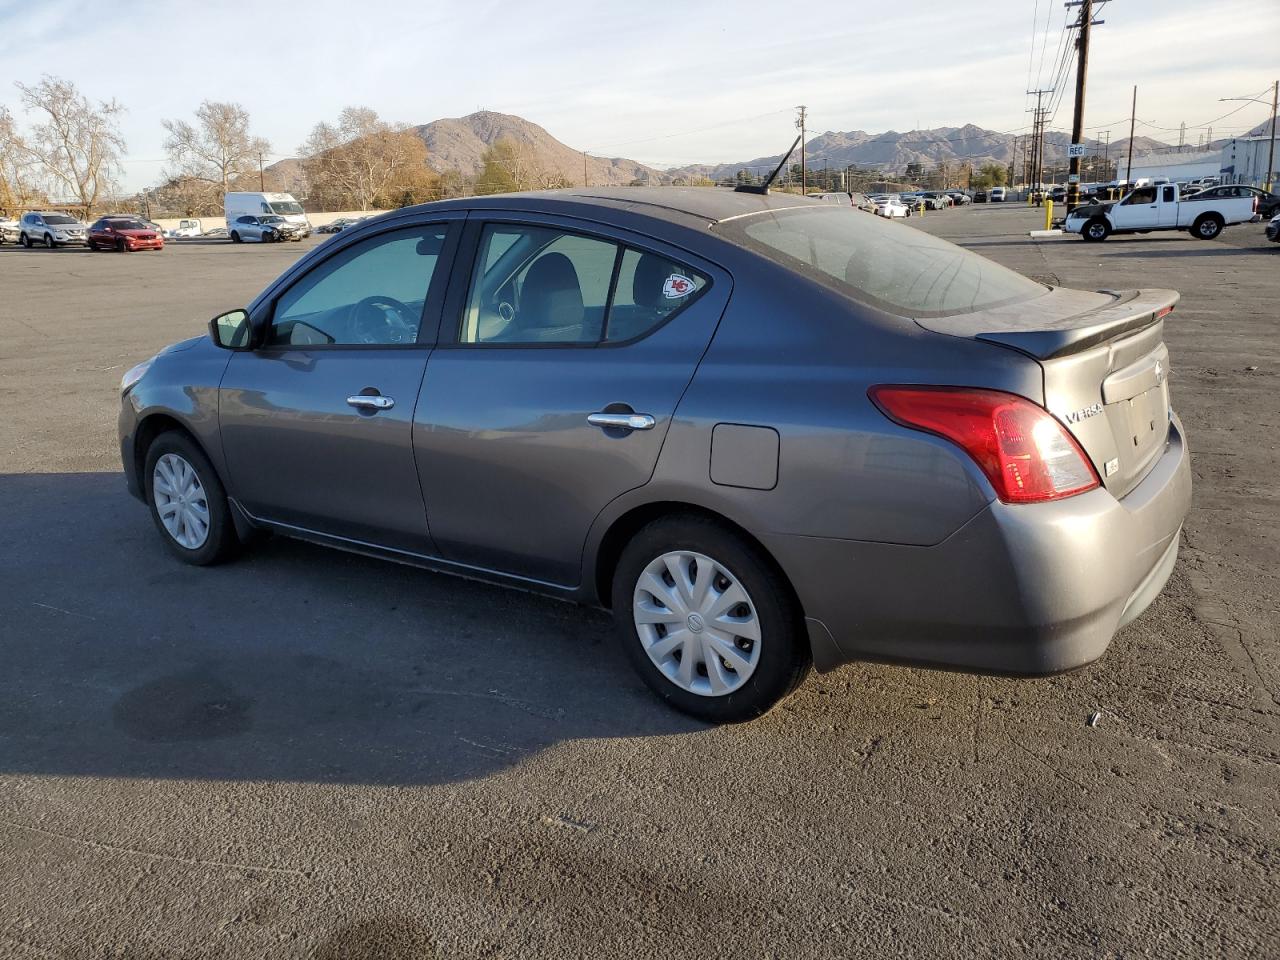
{"x": 1159, "y": 207}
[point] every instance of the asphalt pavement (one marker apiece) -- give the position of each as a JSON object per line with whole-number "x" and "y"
{"x": 311, "y": 754}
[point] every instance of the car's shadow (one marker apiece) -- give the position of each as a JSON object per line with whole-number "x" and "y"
{"x": 292, "y": 663}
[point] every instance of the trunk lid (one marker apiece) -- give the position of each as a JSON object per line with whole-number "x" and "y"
{"x": 1105, "y": 369}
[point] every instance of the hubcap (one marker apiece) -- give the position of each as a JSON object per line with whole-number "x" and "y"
{"x": 180, "y": 501}
{"x": 696, "y": 623}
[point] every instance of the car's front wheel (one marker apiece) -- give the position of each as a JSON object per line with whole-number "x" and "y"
{"x": 1096, "y": 230}
{"x": 708, "y": 622}
{"x": 187, "y": 501}
{"x": 48, "y": 241}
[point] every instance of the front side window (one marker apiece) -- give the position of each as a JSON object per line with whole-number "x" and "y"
{"x": 372, "y": 293}
{"x": 542, "y": 285}
{"x": 1168, "y": 194}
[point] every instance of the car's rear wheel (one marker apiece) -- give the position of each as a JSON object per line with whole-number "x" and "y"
{"x": 1207, "y": 227}
{"x": 188, "y": 503}
{"x": 707, "y": 621}
{"x": 235, "y": 236}
{"x": 1096, "y": 230}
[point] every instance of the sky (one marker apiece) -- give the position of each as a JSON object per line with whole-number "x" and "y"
{"x": 666, "y": 84}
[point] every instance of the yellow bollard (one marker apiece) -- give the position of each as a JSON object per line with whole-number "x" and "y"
{"x": 1048, "y": 213}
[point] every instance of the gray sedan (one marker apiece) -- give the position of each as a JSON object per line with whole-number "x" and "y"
{"x": 765, "y": 433}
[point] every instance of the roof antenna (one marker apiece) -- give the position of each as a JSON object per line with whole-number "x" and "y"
{"x": 764, "y": 187}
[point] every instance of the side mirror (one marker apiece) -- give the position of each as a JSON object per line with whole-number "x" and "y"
{"x": 231, "y": 330}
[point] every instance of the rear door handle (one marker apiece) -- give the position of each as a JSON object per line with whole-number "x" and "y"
{"x": 364, "y": 402}
{"x": 622, "y": 421}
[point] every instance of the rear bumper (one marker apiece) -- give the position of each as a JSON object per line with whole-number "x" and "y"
{"x": 1023, "y": 589}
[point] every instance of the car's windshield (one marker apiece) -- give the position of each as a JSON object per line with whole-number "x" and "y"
{"x": 891, "y": 266}
{"x": 57, "y": 219}
{"x": 271, "y": 219}
{"x": 127, "y": 224}
{"x": 285, "y": 206}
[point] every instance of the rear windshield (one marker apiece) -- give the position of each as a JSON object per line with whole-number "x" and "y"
{"x": 891, "y": 266}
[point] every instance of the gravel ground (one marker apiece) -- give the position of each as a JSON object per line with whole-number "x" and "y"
{"x": 309, "y": 754}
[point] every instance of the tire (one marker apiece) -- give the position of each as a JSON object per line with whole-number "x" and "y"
{"x": 219, "y": 541}
{"x": 48, "y": 241}
{"x": 120, "y": 247}
{"x": 1207, "y": 227}
{"x": 1096, "y": 230}
{"x": 25, "y": 241}
{"x": 235, "y": 236}
{"x": 774, "y": 662}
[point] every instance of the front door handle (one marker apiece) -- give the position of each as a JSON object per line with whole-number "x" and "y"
{"x": 365, "y": 402}
{"x": 622, "y": 421}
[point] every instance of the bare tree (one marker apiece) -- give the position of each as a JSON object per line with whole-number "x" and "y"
{"x": 74, "y": 151}
{"x": 363, "y": 160}
{"x": 216, "y": 149}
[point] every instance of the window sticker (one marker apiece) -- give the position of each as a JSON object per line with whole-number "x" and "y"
{"x": 677, "y": 286}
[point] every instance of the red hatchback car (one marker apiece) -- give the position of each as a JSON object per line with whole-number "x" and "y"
{"x": 124, "y": 234}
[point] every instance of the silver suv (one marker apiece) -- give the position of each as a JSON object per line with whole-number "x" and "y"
{"x": 51, "y": 229}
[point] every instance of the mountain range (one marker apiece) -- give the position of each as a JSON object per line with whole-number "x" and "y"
{"x": 459, "y": 143}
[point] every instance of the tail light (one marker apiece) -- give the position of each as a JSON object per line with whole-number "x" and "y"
{"x": 1028, "y": 456}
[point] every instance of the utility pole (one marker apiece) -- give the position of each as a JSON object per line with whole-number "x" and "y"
{"x": 1106, "y": 157}
{"x": 1037, "y": 148}
{"x": 584, "y": 169}
{"x": 800, "y": 123}
{"x": 1133, "y": 119}
{"x": 1077, "y": 120}
{"x": 1182, "y": 135}
{"x": 262, "y": 183}
{"x": 1271, "y": 152}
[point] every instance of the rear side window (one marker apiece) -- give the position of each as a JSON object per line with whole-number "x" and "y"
{"x": 890, "y": 266}
{"x": 542, "y": 285}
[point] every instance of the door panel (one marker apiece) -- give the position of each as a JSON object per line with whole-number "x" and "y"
{"x": 316, "y": 422}
{"x": 512, "y": 472}
{"x": 298, "y": 453}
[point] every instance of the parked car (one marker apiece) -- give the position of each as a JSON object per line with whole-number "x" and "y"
{"x": 335, "y": 226}
{"x": 50, "y": 229}
{"x": 186, "y": 229}
{"x": 269, "y": 229}
{"x": 10, "y": 230}
{"x": 1268, "y": 203}
{"x": 913, "y": 202}
{"x": 980, "y": 196}
{"x": 890, "y": 206}
{"x": 1159, "y": 207}
{"x": 1058, "y": 194}
{"x": 125, "y": 234}
{"x": 933, "y": 200}
{"x": 1273, "y": 229}
{"x": 959, "y": 197}
{"x": 631, "y": 405}
{"x": 997, "y": 194}
{"x": 863, "y": 202}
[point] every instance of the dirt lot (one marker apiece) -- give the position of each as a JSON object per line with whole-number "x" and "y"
{"x": 308, "y": 754}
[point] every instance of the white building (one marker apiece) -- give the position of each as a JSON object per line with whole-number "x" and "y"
{"x": 1244, "y": 160}
{"x": 1191, "y": 165}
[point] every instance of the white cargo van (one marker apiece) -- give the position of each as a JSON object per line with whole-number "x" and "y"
{"x": 997, "y": 194}
{"x": 266, "y": 205}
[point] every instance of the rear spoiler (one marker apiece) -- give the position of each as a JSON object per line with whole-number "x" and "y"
{"x": 1064, "y": 322}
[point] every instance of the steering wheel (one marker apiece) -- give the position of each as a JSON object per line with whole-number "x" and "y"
{"x": 382, "y": 319}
